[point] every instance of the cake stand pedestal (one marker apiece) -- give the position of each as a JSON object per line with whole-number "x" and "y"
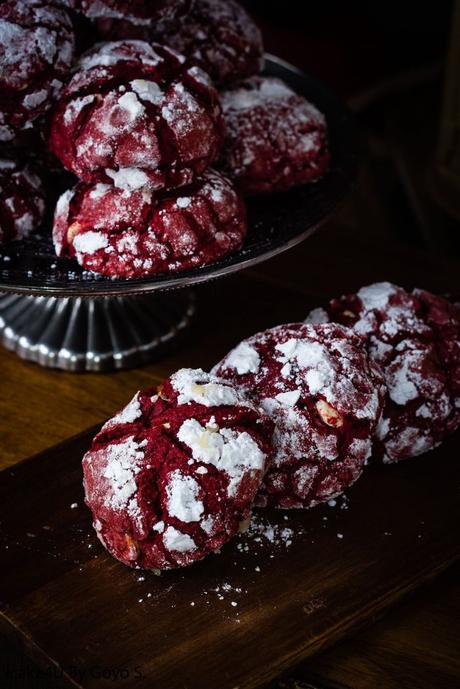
{"x": 80, "y": 334}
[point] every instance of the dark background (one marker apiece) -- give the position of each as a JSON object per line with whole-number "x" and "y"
{"x": 388, "y": 61}
{"x": 354, "y": 45}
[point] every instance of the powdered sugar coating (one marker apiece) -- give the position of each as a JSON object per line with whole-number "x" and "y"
{"x": 138, "y": 12}
{"x": 415, "y": 338}
{"x": 171, "y": 485}
{"x": 325, "y": 397}
{"x": 232, "y": 452}
{"x": 135, "y": 114}
{"x": 244, "y": 359}
{"x": 129, "y": 414}
{"x": 123, "y": 464}
{"x": 133, "y": 233}
{"x": 22, "y": 200}
{"x": 178, "y": 542}
{"x": 211, "y": 391}
{"x": 219, "y": 36}
{"x": 275, "y": 138}
{"x": 183, "y": 502}
{"x": 104, "y": 57}
{"x": 36, "y": 53}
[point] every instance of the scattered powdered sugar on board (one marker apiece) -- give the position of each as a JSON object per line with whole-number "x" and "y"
{"x": 262, "y": 534}
{"x": 341, "y": 502}
{"x": 225, "y": 590}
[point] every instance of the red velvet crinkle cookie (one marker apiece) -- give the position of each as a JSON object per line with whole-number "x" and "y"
{"x": 325, "y": 397}
{"x": 36, "y": 52}
{"x": 275, "y": 138}
{"x": 22, "y": 201}
{"x": 170, "y": 478}
{"x": 136, "y": 106}
{"x": 136, "y": 233}
{"x": 415, "y": 338}
{"x": 138, "y": 12}
{"x": 217, "y": 35}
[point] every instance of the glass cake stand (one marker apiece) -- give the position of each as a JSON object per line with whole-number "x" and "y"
{"x": 58, "y": 315}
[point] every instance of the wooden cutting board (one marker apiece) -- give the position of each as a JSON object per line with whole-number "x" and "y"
{"x": 292, "y": 585}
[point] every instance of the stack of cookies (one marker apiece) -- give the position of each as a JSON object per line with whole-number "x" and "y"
{"x": 165, "y": 121}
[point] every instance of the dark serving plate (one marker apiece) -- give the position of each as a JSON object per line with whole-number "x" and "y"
{"x": 276, "y": 222}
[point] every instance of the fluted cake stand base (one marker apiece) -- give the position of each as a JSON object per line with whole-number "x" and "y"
{"x": 78, "y": 334}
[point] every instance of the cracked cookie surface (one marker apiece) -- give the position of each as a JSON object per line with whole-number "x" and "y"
{"x": 134, "y": 106}
{"x": 415, "y": 338}
{"x": 324, "y": 395}
{"x": 22, "y": 200}
{"x": 37, "y": 46}
{"x": 275, "y": 139}
{"x": 134, "y": 233}
{"x": 171, "y": 477}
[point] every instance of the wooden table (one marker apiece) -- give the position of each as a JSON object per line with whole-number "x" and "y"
{"x": 416, "y": 645}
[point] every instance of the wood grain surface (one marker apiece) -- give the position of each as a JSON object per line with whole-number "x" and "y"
{"x": 414, "y": 647}
{"x": 40, "y": 407}
{"x": 237, "y": 619}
